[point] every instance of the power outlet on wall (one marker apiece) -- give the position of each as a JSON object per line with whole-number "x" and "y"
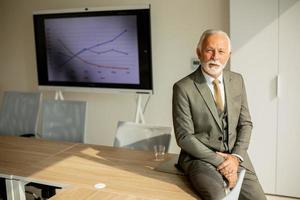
{"x": 195, "y": 62}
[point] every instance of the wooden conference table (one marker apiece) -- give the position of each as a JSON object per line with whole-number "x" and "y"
{"x": 77, "y": 168}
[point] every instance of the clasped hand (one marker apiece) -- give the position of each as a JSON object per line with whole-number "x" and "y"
{"x": 229, "y": 168}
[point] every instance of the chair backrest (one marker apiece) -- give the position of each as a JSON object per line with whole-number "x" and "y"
{"x": 141, "y": 136}
{"x": 64, "y": 120}
{"x": 19, "y": 113}
{"x": 235, "y": 192}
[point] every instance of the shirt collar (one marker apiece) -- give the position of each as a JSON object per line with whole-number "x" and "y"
{"x": 210, "y": 79}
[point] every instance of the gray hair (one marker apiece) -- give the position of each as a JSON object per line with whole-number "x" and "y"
{"x": 209, "y": 32}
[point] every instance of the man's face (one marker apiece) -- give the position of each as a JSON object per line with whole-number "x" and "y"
{"x": 214, "y": 54}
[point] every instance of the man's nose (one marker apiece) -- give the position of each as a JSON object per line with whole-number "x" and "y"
{"x": 215, "y": 55}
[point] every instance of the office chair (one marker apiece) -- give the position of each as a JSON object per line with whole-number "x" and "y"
{"x": 64, "y": 120}
{"x": 19, "y": 113}
{"x": 19, "y": 116}
{"x": 141, "y": 136}
{"x": 235, "y": 192}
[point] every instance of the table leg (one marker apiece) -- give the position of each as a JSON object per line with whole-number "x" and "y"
{"x": 15, "y": 189}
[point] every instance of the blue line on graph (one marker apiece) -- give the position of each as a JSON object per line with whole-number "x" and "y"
{"x": 94, "y": 46}
{"x": 110, "y": 50}
{"x": 116, "y": 37}
{"x": 121, "y": 52}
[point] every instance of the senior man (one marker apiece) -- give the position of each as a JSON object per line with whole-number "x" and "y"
{"x": 212, "y": 123}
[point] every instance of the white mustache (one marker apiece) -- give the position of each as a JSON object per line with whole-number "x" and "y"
{"x": 214, "y": 62}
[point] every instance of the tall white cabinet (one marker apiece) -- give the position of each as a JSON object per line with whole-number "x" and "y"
{"x": 266, "y": 50}
{"x": 288, "y": 162}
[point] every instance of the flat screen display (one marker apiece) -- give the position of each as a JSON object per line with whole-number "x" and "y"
{"x": 94, "y": 49}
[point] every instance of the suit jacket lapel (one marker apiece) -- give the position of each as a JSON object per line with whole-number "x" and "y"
{"x": 205, "y": 92}
{"x": 228, "y": 95}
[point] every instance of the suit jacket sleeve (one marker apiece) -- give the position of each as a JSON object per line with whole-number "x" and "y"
{"x": 184, "y": 129}
{"x": 244, "y": 126}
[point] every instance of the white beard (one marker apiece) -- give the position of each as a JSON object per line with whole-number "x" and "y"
{"x": 213, "y": 70}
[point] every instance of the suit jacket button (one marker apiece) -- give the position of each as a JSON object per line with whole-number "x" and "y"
{"x": 220, "y": 138}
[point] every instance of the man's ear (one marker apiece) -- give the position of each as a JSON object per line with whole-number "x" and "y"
{"x": 198, "y": 52}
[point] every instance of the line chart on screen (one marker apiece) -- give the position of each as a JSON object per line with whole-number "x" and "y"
{"x": 100, "y": 49}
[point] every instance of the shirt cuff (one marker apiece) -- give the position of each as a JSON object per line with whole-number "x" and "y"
{"x": 239, "y": 157}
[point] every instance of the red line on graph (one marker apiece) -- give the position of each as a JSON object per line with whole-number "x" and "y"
{"x": 102, "y": 66}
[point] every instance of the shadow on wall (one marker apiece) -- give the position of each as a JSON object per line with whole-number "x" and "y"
{"x": 251, "y": 30}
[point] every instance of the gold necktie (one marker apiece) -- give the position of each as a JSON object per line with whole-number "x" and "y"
{"x": 218, "y": 97}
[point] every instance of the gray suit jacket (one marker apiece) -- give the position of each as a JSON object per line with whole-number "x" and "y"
{"x": 197, "y": 125}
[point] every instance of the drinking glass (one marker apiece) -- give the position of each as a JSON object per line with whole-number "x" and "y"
{"x": 159, "y": 152}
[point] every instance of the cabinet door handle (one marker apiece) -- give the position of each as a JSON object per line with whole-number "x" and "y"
{"x": 277, "y": 86}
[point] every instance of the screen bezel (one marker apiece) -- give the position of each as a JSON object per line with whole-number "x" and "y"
{"x": 144, "y": 48}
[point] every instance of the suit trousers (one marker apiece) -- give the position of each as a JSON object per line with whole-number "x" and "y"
{"x": 209, "y": 183}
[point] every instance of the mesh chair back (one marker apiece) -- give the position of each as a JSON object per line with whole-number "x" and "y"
{"x": 64, "y": 120}
{"x": 19, "y": 113}
{"x": 141, "y": 136}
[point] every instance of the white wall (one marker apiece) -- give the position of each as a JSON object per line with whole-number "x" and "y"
{"x": 176, "y": 27}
